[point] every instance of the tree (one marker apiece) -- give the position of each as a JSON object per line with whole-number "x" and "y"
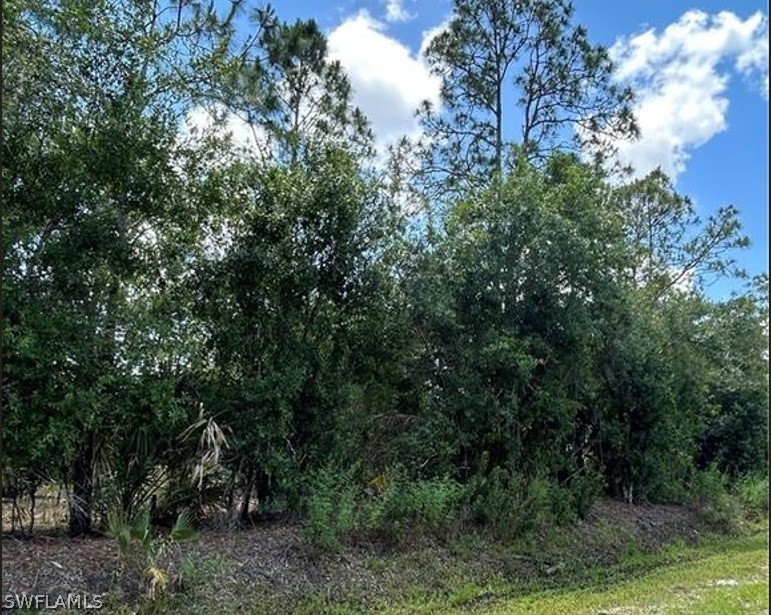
{"x": 674, "y": 247}
{"x": 508, "y": 308}
{"x": 734, "y": 340}
{"x": 184, "y": 323}
{"x": 284, "y": 309}
{"x": 650, "y": 400}
{"x": 494, "y": 49}
{"x": 293, "y": 96}
{"x": 94, "y": 211}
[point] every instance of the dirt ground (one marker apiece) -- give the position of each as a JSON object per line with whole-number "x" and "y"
{"x": 276, "y": 558}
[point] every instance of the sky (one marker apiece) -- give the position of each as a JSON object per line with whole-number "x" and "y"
{"x": 699, "y": 68}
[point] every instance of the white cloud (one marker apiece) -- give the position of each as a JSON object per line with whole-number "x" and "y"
{"x": 214, "y": 121}
{"x": 753, "y": 63}
{"x": 395, "y": 11}
{"x": 681, "y": 76}
{"x": 389, "y": 82}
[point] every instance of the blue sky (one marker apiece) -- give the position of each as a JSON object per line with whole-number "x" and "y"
{"x": 700, "y": 69}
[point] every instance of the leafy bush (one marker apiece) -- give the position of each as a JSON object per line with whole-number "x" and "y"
{"x": 142, "y": 553}
{"x": 585, "y": 489}
{"x": 427, "y": 504}
{"x": 336, "y": 506}
{"x": 752, "y": 492}
{"x": 329, "y": 508}
{"x": 435, "y": 501}
{"x": 512, "y": 505}
{"x": 716, "y": 508}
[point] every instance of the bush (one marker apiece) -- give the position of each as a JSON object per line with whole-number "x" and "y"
{"x": 584, "y": 489}
{"x": 752, "y": 492}
{"x": 427, "y": 504}
{"x": 510, "y": 504}
{"x": 337, "y": 506}
{"x": 329, "y": 509}
{"x": 716, "y": 508}
{"x": 434, "y": 502}
{"x": 142, "y": 554}
{"x": 514, "y": 505}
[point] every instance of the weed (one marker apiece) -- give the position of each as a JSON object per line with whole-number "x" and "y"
{"x": 717, "y": 509}
{"x": 142, "y": 554}
{"x": 752, "y": 492}
{"x": 195, "y": 571}
{"x": 329, "y": 509}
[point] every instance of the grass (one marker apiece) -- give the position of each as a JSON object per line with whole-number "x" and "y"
{"x": 735, "y": 581}
{"x": 604, "y": 571}
{"x": 718, "y": 577}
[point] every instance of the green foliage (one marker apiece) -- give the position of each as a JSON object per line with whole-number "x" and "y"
{"x": 98, "y": 229}
{"x": 513, "y": 505}
{"x": 329, "y": 508}
{"x": 143, "y": 553}
{"x": 124, "y": 531}
{"x": 495, "y": 51}
{"x": 192, "y": 326}
{"x": 433, "y": 502}
{"x": 427, "y": 505}
{"x": 710, "y": 495}
{"x": 338, "y": 507}
{"x": 736, "y": 335}
{"x": 752, "y": 493}
{"x": 305, "y": 97}
{"x": 583, "y": 490}
{"x": 672, "y": 243}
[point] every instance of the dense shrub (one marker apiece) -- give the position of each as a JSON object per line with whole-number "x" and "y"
{"x": 426, "y": 504}
{"x": 716, "y": 507}
{"x": 585, "y": 489}
{"x": 752, "y": 493}
{"x": 329, "y": 508}
{"x": 510, "y": 503}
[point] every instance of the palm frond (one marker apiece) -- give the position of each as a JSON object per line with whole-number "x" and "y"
{"x": 183, "y": 528}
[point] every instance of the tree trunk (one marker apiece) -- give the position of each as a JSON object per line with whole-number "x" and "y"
{"x": 82, "y": 489}
{"x": 498, "y": 134}
{"x": 263, "y": 487}
{"x": 32, "y": 502}
{"x": 244, "y": 515}
{"x": 231, "y": 494}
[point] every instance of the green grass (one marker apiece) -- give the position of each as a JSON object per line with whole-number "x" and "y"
{"x": 719, "y": 577}
{"x": 731, "y": 582}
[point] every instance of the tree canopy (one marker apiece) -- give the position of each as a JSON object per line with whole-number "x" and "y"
{"x": 189, "y": 325}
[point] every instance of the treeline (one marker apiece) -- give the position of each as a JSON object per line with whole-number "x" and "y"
{"x": 189, "y": 324}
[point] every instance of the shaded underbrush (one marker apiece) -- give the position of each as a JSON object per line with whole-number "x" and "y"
{"x": 275, "y": 568}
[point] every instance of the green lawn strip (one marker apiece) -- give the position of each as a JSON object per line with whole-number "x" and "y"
{"x": 719, "y": 576}
{"x": 727, "y": 583}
